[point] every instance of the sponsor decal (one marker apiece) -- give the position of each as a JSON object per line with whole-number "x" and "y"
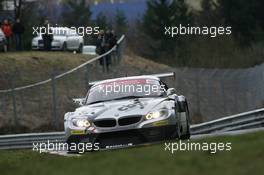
{"x": 118, "y": 146}
{"x": 77, "y": 132}
{"x": 161, "y": 123}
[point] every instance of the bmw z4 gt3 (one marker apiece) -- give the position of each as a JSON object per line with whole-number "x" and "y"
{"x": 128, "y": 111}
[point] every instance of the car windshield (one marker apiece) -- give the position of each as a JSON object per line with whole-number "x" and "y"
{"x": 59, "y": 32}
{"x": 125, "y": 89}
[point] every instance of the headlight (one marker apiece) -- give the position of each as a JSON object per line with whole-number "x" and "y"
{"x": 81, "y": 123}
{"x": 156, "y": 114}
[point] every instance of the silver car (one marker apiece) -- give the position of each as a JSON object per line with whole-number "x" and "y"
{"x": 63, "y": 39}
{"x": 114, "y": 118}
{"x": 2, "y": 41}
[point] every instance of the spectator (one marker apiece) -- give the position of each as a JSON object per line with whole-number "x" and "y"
{"x": 104, "y": 43}
{"x": 113, "y": 39}
{"x": 100, "y": 42}
{"x": 47, "y": 36}
{"x": 18, "y": 30}
{"x": 6, "y": 28}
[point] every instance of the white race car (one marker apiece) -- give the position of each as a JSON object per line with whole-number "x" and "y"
{"x": 128, "y": 111}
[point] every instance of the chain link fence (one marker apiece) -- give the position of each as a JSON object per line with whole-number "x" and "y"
{"x": 211, "y": 93}
{"x": 41, "y": 106}
{"x": 215, "y": 93}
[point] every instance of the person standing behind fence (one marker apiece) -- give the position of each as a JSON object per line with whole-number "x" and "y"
{"x": 113, "y": 40}
{"x": 107, "y": 46}
{"x": 100, "y": 49}
{"x": 18, "y": 30}
{"x": 7, "y": 30}
{"x": 99, "y": 43}
{"x": 47, "y": 36}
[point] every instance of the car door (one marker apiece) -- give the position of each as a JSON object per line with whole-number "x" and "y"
{"x": 69, "y": 41}
{"x": 76, "y": 41}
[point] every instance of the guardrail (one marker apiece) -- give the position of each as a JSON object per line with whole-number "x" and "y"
{"x": 244, "y": 120}
{"x": 252, "y": 119}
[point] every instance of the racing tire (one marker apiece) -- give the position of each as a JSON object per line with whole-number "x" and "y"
{"x": 64, "y": 47}
{"x": 182, "y": 109}
{"x": 80, "y": 49}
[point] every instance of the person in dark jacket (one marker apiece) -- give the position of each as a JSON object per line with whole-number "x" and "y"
{"x": 47, "y": 36}
{"x": 18, "y": 30}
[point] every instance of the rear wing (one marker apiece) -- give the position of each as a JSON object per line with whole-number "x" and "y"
{"x": 162, "y": 75}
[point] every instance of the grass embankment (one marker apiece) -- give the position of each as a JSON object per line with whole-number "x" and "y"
{"x": 34, "y": 105}
{"x": 34, "y": 66}
{"x": 246, "y": 157}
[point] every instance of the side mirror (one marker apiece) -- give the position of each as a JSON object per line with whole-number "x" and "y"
{"x": 171, "y": 91}
{"x": 79, "y": 101}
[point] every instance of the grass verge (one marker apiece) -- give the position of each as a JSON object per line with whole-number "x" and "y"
{"x": 246, "y": 157}
{"x": 34, "y": 66}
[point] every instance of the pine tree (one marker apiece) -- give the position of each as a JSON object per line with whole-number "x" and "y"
{"x": 161, "y": 14}
{"x": 101, "y": 21}
{"x": 77, "y": 13}
{"x": 121, "y": 24}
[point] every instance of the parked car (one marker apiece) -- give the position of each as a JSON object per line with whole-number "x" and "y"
{"x": 2, "y": 41}
{"x": 89, "y": 50}
{"x": 63, "y": 39}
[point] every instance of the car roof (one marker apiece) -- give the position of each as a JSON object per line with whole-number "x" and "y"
{"x": 126, "y": 78}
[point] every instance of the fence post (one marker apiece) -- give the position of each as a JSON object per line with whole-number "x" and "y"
{"x": 13, "y": 94}
{"x": 198, "y": 96}
{"x": 23, "y": 105}
{"x": 54, "y": 100}
{"x": 4, "y": 105}
{"x": 40, "y": 102}
{"x": 87, "y": 77}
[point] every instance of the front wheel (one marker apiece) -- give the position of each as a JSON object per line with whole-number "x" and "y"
{"x": 64, "y": 47}
{"x": 80, "y": 49}
{"x": 183, "y": 126}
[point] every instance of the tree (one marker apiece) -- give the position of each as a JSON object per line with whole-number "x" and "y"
{"x": 121, "y": 24}
{"x": 244, "y": 17}
{"x": 17, "y": 10}
{"x": 76, "y": 13}
{"x": 1, "y": 4}
{"x": 161, "y": 14}
{"x": 101, "y": 21}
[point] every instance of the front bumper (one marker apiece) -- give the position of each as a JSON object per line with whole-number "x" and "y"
{"x": 127, "y": 137}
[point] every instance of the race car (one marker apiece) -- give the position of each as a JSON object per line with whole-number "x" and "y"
{"x": 128, "y": 111}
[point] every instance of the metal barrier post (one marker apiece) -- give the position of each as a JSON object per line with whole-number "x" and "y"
{"x": 104, "y": 64}
{"x": 54, "y": 99}
{"x": 13, "y": 93}
{"x": 87, "y": 77}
